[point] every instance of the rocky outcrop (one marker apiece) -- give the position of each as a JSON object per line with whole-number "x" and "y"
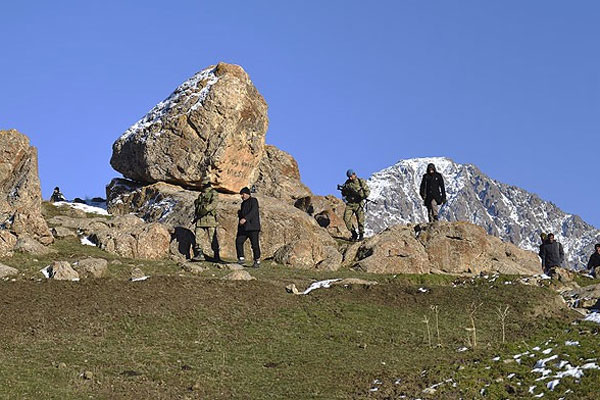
{"x": 279, "y": 176}
{"x": 216, "y": 120}
{"x": 453, "y": 248}
{"x": 20, "y": 194}
{"x": 126, "y": 236}
{"x": 284, "y": 228}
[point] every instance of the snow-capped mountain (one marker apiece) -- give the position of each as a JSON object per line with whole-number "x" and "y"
{"x": 509, "y": 212}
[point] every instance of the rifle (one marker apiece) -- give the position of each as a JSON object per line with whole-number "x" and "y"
{"x": 342, "y": 187}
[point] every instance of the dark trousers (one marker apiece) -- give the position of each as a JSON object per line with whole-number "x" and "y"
{"x": 241, "y": 239}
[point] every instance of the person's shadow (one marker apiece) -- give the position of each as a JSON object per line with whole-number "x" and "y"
{"x": 185, "y": 241}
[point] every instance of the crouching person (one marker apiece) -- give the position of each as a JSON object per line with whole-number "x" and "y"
{"x": 248, "y": 227}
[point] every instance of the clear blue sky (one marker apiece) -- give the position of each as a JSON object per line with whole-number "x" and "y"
{"x": 511, "y": 86}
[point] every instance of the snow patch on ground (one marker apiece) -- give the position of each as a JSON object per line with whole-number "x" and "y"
{"x": 84, "y": 207}
{"x": 320, "y": 285}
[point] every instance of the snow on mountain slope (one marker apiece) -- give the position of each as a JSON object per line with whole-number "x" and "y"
{"x": 508, "y": 212}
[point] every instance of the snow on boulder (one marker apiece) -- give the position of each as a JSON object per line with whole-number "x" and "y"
{"x": 215, "y": 120}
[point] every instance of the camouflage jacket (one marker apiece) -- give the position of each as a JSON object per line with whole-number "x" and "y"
{"x": 355, "y": 191}
{"x": 205, "y": 208}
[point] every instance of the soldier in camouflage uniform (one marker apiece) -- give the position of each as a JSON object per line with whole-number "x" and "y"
{"x": 355, "y": 192}
{"x": 205, "y": 216}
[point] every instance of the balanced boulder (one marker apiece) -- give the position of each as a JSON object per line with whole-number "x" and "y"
{"x": 215, "y": 121}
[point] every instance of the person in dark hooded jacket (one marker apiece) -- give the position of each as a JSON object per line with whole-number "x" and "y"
{"x": 594, "y": 262}
{"x": 552, "y": 255}
{"x": 432, "y": 191}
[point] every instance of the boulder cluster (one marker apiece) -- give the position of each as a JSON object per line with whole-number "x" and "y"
{"x": 214, "y": 125}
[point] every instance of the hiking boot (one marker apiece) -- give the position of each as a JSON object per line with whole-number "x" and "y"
{"x": 361, "y": 237}
{"x": 354, "y": 236}
{"x": 241, "y": 260}
{"x": 256, "y": 264}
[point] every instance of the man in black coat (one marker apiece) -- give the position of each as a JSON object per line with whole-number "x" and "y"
{"x": 552, "y": 255}
{"x": 594, "y": 262}
{"x": 432, "y": 191}
{"x": 248, "y": 227}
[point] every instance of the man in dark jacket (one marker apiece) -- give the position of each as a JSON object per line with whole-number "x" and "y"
{"x": 594, "y": 262}
{"x": 432, "y": 191}
{"x": 552, "y": 255}
{"x": 248, "y": 227}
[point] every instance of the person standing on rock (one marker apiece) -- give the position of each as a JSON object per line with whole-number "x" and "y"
{"x": 552, "y": 255}
{"x": 205, "y": 216}
{"x": 594, "y": 262}
{"x": 355, "y": 192}
{"x": 248, "y": 227}
{"x": 433, "y": 192}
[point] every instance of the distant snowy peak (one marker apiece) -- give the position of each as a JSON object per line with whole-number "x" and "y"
{"x": 187, "y": 97}
{"x": 506, "y": 211}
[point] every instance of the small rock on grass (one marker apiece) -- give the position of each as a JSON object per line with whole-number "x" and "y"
{"x": 239, "y": 276}
{"x": 6, "y": 271}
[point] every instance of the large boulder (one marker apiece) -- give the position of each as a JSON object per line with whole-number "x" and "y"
{"x": 284, "y": 227}
{"x": 445, "y": 247}
{"x": 216, "y": 120}
{"x": 20, "y": 193}
{"x": 279, "y": 176}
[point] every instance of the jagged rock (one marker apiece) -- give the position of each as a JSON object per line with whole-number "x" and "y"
{"x": 91, "y": 267}
{"x": 6, "y": 271}
{"x": 282, "y": 223}
{"x": 20, "y": 194}
{"x": 454, "y": 248}
{"x": 241, "y": 275}
{"x": 217, "y": 119}
{"x": 279, "y": 176}
{"x": 26, "y": 244}
{"x": 62, "y": 271}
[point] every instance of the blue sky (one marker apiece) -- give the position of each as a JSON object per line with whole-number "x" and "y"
{"x": 511, "y": 86}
